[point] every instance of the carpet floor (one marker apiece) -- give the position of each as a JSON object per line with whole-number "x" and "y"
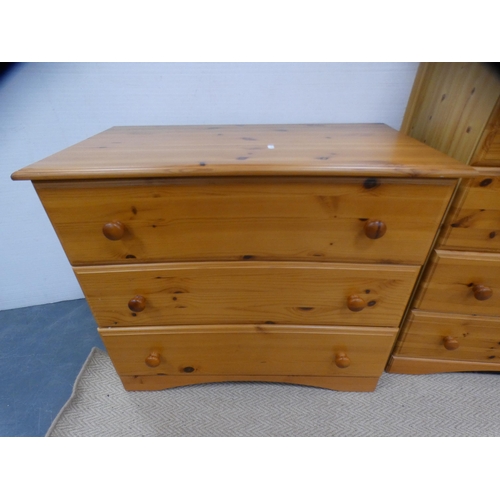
{"x": 458, "y": 404}
{"x": 42, "y": 350}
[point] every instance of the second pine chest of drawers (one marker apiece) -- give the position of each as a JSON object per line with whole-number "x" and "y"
{"x": 272, "y": 253}
{"x": 454, "y": 322}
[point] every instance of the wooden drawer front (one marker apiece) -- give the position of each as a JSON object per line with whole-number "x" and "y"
{"x": 249, "y": 350}
{"x": 476, "y": 226}
{"x": 247, "y": 292}
{"x": 459, "y": 282}
{"x": 321, "y": 219}
{"x": 452, "y": 337}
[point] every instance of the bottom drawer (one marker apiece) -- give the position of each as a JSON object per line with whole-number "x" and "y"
{"x": 251, "y": 350}
{"x": 451, "y": 337}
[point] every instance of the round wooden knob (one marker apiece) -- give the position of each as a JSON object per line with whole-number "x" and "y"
{"x": 137, "y": 303}
{"x": 341, "y": 360}
{"x": 153, "y": 360}
{"x": 355, "y": 303}
{"x": 114, "y": 230}
{"x": 375, "y": 229}
{"x": 450, "y": 343}
{"x": 482, "y": 292}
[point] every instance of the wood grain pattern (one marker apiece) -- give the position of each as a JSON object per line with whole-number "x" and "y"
{"x": 159, "y": 382}
{"x": 487, "y": 152}
{"x": 475, "y": 224}
{"x": 449, "y": 283}
{"x": 450, "y": 106}
{"x": 300, "y": 219}
{"x": 247, "y": 292}
{"x": 247, "y": 350}
{"x": 477, "y": 338}
{"x": 415, "y": 100}
{"x": 248, "y": 150}
{"x": 422, "y": 366}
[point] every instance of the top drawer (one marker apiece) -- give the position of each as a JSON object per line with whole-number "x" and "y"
{"x": 476, "y": 224}
{"x": 209, "y": 219}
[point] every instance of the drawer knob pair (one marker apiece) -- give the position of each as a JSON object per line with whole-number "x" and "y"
{"x": 355, "y": 303}
{"x": 482, "y": 292}
{"x": 114, "y": 230}
{"x": 154, "y": 359}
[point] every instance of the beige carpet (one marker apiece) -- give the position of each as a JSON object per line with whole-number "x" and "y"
{"x": 460, "y": 404}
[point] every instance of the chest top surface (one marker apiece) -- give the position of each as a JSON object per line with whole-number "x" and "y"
{"x": 246, "y": 150}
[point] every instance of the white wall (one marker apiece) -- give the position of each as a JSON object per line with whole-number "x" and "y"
{"x": 47, "y": 107}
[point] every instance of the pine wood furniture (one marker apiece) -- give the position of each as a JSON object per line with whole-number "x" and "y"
{"x": 454, "y": 321}
{"x": 283, "y": 253}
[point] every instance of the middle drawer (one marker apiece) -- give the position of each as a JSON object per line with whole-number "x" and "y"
{"x": 461, "y": 282}
{"x": 247, "y": 292}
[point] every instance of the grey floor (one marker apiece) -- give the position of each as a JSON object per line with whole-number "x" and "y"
{"x": 42, "y": 350}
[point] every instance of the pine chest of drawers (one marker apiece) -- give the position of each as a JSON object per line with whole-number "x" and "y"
{"x": 454, "y": 321}
{"x": 283, "y": 253}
